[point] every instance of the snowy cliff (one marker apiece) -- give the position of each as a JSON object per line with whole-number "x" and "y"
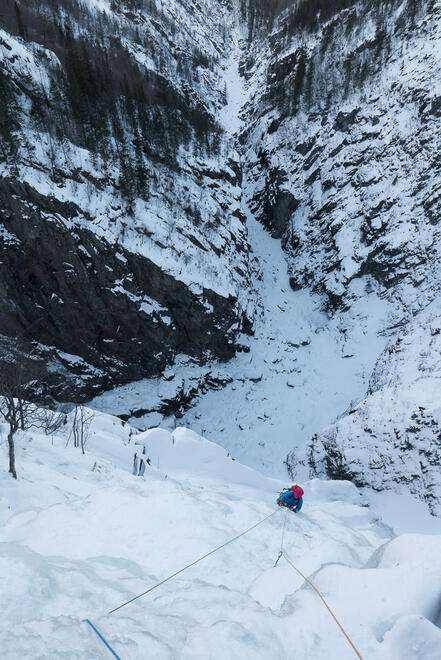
{"x": 340, "y": 149}
{"x": 393, "y": 436}
{"x": 122, "y": 239}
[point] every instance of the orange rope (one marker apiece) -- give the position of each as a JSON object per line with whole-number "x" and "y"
{"x": 324, "y": 602}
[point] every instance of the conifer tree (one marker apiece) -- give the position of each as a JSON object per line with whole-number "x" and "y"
{"x": 20, "y": 26}
{"x": 8, "y": 121}
{"x": 140, "y": 171}
{"x": 127, "y": 178}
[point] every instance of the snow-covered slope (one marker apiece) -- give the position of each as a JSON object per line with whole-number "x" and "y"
{"x": 340, "y": 145}
{"x": 393, "y": 436}
{"x": 81, "y": 534}
{"x": 120, "y": 188}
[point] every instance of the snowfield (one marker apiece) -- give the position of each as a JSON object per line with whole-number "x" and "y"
{"x": 81, "y": 535}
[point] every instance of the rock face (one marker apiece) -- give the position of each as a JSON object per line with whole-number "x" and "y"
{"x": 393, "y": 436}
{"x": 343, "y": 121}
{"x": 341, "y": 155}
{"x": 115, "y": 313}
{"x": 121, "y": 237}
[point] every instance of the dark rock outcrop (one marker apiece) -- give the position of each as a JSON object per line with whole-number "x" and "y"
{"x": 276, "y": 205}
{"x": 73, "y": 291}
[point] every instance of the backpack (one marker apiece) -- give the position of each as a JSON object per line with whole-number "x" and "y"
{"x": 297, "y": 490}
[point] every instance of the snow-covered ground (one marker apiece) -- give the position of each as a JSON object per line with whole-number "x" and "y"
{"x": 80, "y": 535}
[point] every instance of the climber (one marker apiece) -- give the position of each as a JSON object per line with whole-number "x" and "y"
{"x": 292, "y": 498}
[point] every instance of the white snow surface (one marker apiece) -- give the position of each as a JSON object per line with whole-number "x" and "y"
{"x": 80, "y": 535}
{"x": 302, "y": 371}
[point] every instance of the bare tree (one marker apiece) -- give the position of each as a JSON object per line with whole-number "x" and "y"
{"x": 51, "y": 421}
{"x": 80, "y": 431}
{"x": 15, "y": 410}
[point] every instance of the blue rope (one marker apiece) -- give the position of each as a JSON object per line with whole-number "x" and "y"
{"x": 192, "y": 564}
{"x": 102, "y": 639}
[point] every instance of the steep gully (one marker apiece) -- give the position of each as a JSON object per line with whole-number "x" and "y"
{"x": 300, "y": 369}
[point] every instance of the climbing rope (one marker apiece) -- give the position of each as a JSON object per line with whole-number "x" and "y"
{"x": 282, "y": 553}
{"x": 325, "y": 604}
{"x": 283, "y": 536}
{"x": 181, "y": 570}
{"x": 155, "y": 586}
{"x": 283, "y": 530}
{"x": 106, "y": 643}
